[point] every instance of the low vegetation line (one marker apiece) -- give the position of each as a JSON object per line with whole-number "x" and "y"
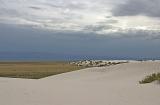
{"x": 35, "y": 70}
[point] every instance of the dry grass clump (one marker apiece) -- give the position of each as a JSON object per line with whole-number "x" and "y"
{"x": 150, "y": 78}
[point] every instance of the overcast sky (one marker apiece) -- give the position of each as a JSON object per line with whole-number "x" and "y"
{"x": 110, "y": 28}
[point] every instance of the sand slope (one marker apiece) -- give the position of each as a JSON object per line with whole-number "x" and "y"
{"x": 113, "y": 85}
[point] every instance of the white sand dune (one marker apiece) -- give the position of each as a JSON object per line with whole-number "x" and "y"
{"x": 113, "y": 85}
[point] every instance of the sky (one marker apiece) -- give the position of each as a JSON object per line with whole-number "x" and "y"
{"x": 68, "y": 29}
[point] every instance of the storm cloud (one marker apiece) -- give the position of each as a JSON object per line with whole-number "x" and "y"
{"x": 149, "y": 8}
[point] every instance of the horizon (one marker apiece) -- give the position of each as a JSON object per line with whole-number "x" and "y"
{"x": 39, "y": 56}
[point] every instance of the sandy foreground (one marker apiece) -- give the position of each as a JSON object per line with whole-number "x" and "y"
{"x": 113, "y": 85}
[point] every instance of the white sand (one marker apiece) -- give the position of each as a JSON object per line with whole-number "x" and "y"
{"x": 113, "y": 85}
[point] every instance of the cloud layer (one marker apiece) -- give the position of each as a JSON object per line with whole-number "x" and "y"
{"x": 102, "y": 17}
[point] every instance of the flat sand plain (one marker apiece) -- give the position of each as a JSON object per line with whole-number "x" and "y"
{"x": 112, "y": 85}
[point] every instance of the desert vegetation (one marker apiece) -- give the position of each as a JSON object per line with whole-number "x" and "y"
{"x": 150, "y": 78}
{"x": 96, "y": 63}
{"x": 34, "y": 70}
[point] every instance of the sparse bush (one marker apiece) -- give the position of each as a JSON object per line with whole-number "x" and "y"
{"x": 150, "y": 78}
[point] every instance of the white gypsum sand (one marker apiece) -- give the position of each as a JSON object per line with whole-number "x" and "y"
{"x": 112, "y": 85}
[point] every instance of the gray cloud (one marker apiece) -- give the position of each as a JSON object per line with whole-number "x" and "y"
{"x": 109, "y": 21}
{"x": 35, "y": 7}
{"x": 101, "y": 26}
{"x": 96, "y": 28}
{"x": 69, "y": 5}
{"x": 138, "y": 7}
{"x": 142, "y": 34}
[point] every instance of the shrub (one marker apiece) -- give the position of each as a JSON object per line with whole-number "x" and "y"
{"x": 150, "y": 78}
